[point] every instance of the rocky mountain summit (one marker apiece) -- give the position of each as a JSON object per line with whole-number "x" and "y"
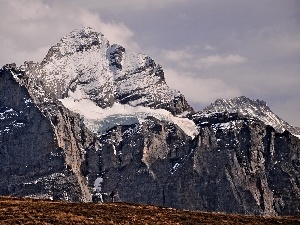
{"x": 93, "y": 119}
{"x": 83, "y": 65}
{"x": 252, "y": 109}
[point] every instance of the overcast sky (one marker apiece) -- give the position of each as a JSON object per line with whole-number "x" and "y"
{"x": 209, "y": 49}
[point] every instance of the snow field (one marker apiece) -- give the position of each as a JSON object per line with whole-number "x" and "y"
{"x": 100, "y": 120}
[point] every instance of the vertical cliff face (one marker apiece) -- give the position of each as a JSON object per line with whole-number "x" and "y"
{"x": 235, "y": 165}
{"x": 248, "y": 165}
{"x": 92, "y": 119}
{"x": 27, "y": 141}
{"x": 138, "y": 161}
{"x": 42, "y": 143}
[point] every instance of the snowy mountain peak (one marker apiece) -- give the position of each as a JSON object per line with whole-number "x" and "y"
{"x": 107, "y": 85}
{"x": 253, "y": 109}
{"x": 85, "y": 65}
{"x": 242, "y": 104}
{"x": 79, "y": 40}
{"x": 238, "y": 102}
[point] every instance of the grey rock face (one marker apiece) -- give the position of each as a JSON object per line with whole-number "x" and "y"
{"x": 245, "y": 159}
{"x": 235, "y": 165}
{"x": 138, "y": 161}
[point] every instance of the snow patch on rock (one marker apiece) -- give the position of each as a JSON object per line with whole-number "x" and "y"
{"x": 298, "y": 136}
{"x": 99, "y": 120}
{"x": 97, "y": 184}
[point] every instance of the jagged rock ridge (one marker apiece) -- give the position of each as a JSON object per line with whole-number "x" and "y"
{"x": 251, "y": 108}
{"x": 91, "y": 119}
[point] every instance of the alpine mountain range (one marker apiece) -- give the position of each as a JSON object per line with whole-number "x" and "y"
{"x": 92, "y": 119}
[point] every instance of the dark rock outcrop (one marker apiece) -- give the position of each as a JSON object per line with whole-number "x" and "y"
{"x": 41, "y": 144}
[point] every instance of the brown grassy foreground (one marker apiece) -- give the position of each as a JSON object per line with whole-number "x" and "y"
{"x": 29, "y": 211}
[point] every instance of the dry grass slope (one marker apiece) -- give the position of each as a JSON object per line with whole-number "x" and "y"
{"x": 30, "y": 211}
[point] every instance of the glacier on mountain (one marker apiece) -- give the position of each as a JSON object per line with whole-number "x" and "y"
{"x": 100, "y": 120}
